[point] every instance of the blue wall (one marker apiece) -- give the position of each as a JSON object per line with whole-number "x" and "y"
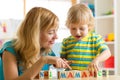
{"x": 56, "y": 48}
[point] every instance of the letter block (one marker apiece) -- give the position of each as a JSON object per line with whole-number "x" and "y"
{"x": 41, "y": 74}
{"x": 73, "y": 74}
{"x": 77, "y": 74}
{"x": 105, "y": 73}
{"x": 99, "y": 73}
{"x": 62, "y": 74}
{"x": 84, "y": 74}
{"x": 53, "y": 74}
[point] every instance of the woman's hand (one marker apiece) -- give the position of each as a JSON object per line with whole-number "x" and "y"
{"x": 69, "y": 62}
{"x": 58, "y": 62}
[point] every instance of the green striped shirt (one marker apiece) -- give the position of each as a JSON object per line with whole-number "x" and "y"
{"x": 82, "y": 52}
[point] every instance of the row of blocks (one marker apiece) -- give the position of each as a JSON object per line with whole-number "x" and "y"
{"x": 53, "y": 74}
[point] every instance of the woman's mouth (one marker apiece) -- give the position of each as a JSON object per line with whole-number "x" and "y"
{"x": 52, "y": 42}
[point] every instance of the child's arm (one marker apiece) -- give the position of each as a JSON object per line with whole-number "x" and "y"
{"x": 103, "y": 56}
{"x": 93, "y": 66}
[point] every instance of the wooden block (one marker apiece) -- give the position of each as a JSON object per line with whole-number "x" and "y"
{"x": 46, "y": 74}
{"x": 41, "y": 74}
{"x": 85, "y": 74}
{"x": 70, "y": 74}
{"x": 77, "y": 74}
{"x": 111, "y": 72}
{"x": 53, "y": 74}
{"x": 73, "y": 74}
{"x": 91, "y": 74}
{"x": 62, "y": 74}
{"x": 50, "y": 74}
{"x": 105, "y": 73}
{"x": 99, "y": 73}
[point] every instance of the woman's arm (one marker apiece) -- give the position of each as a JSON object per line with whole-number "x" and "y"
{"x": 11, "y": 68}
{"x": 58, "y": 62}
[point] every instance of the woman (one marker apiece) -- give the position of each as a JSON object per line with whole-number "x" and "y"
{"x": 24, "y": 57}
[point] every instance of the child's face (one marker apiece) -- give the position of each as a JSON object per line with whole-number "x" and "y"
{"x": 78, "y": 31}
{"x": 47, "y": 38}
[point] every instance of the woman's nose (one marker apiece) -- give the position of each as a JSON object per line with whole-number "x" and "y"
{"x": 55, "y": 36}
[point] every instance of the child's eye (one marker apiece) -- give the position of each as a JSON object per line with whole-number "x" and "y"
{"x": 82, "y": 29}
{"x": 73, "y": 29}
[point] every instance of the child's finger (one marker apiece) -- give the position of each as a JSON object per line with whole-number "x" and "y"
{"x": 96, "y": 68}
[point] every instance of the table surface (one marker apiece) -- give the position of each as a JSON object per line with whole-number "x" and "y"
{"x": 89, "y": 78}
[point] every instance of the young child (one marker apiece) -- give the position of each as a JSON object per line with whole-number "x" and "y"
{"x": 84, "y": 47}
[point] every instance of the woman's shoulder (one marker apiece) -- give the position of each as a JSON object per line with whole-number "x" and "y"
{"x": 8, "y": 46}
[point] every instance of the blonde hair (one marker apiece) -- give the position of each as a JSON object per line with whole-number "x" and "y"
{"x": 27, "y": 45}
{"x": 80, "y": 14}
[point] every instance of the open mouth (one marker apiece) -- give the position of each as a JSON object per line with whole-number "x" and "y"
{"x": 78, "y": 37}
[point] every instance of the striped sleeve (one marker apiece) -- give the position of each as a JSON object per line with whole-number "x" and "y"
{"x": 63, "y": 52}
{"x": 101, "y": 45}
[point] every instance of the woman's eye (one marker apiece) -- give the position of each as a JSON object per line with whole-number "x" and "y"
{"x": 50, "y": 33}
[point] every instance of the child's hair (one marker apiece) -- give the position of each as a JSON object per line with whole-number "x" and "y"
{"x": 80, "y": 14}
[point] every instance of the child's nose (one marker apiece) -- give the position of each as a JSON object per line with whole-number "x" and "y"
{"x": 78, "y": 32}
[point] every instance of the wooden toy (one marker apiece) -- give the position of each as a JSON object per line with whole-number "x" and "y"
{"x": 41, "y": 74}
{"x": 74, "y": 74}
{"x": 85, "y": 74}
{"x": 77, "y": 74}
{"x": 99, "y": 73}
{"x": 53, "y": 74}
{"x": 105, "y": 73}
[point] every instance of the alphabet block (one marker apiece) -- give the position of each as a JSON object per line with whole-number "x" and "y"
{"x": 53, "y": 74}
{"x": 46, "y": 74}
{"x": 111, "y": 72}
{"x": 85, "y": 74}
{"x": 62, "y": 74}
{"x": 73, "y": 74}
{"x": 105, "y": 73}
{"x": 99, "y": 73}
{"x": 77, "y": 74}
{"x": 41, "y": 74}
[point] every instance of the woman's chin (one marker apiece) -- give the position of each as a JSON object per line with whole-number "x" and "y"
{"x": 50, "y": 46}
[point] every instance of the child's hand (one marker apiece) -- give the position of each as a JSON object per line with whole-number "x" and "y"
{"x": 93, "y": 67}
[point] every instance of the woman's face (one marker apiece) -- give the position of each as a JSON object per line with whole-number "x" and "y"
{"x": 47, "y": 38}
